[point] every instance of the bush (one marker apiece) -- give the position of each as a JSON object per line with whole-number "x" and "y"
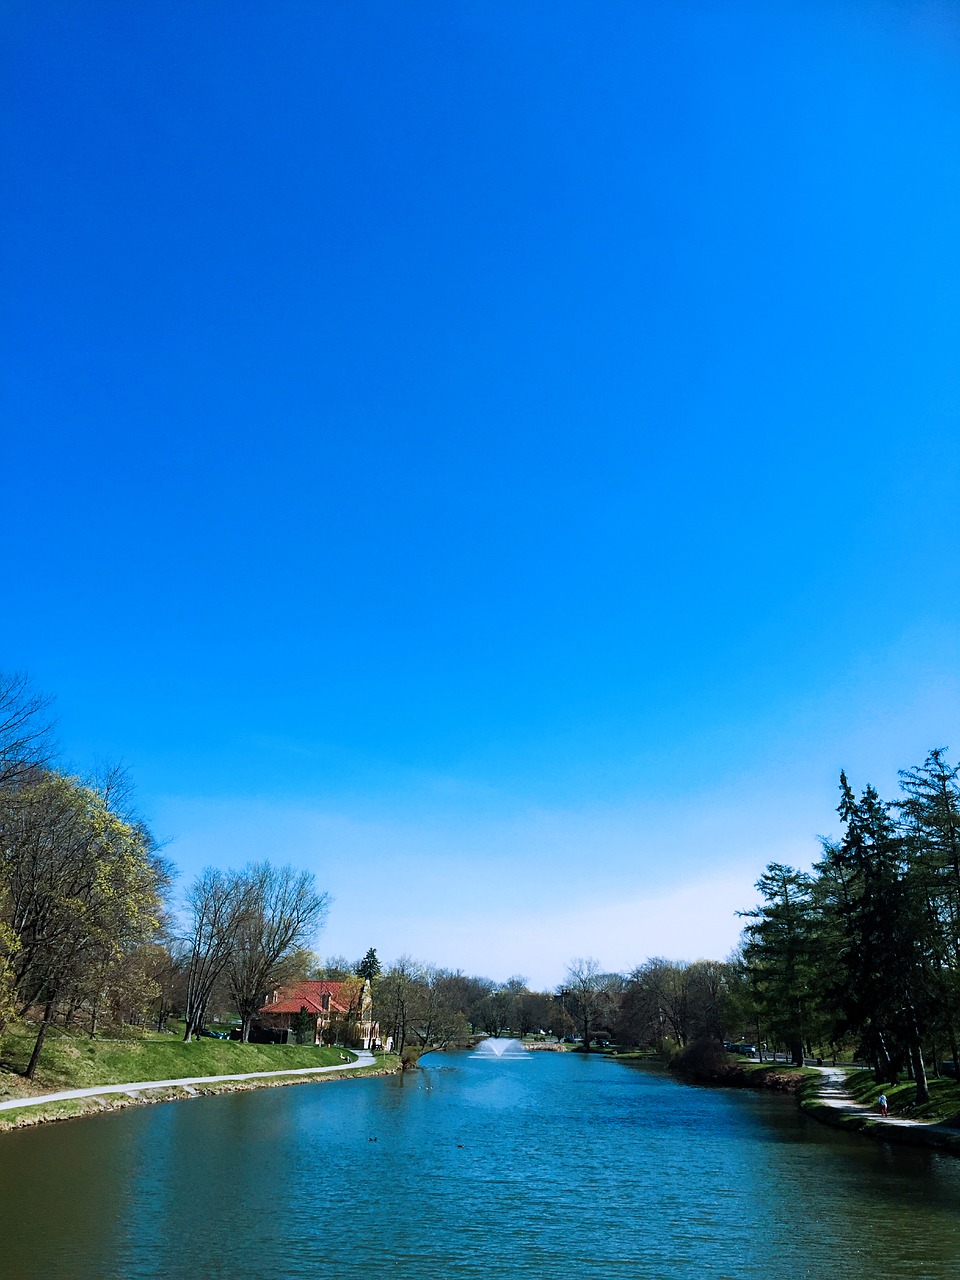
{"x": 705, "y": 1059}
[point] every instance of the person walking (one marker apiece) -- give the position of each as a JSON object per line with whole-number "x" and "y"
{"x": 882, "y": 1104}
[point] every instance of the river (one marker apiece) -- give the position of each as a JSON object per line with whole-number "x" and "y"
{"x": 473, "y": 1170}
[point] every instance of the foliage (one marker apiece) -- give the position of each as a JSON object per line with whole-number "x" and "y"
{"x": 82, "y": 884}
{"x": 304, "y": 1026}
{"x": 867, "y": 949}
{"x": 369, "y": 966}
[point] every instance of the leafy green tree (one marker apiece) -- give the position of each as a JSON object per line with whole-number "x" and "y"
{"x": 82, "y": 885}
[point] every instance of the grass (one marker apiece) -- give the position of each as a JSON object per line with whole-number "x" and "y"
{"x": 761, "y": 1069}
{"x": 943, "y": 1107}
{"x": 77, "y": 1062}
{"x": 69, "y": 1108}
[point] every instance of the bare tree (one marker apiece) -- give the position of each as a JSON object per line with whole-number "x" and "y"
{"x": 436, "y": 1016}
{"x": 395, "y": 999}
{"x": 25, "y": 729}
{"x": 281, "y": 911}
{"x": 588, "y": 994}
{"x": 215, "y": 907}
{"x": 669, "y": 982}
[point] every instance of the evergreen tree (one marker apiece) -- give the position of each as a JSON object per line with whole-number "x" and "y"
{"x": 877, "y": 920}
{"x": 930, "y": 818}
{"x": 369, "y": 966}
{"x": 780, "y": 952}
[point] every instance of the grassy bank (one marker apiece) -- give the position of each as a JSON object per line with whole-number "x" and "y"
{"x": 937, "y": 1123}
{"x": 77, "y": 1062}
{"x": 943, "y": 1107}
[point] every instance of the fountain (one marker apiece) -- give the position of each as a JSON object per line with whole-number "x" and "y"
{"x": 494, "y": 1048}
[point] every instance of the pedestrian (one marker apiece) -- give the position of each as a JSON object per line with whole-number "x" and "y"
{"x": 882, "y": 1104}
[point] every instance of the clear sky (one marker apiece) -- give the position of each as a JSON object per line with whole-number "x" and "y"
{"x": 502, "y": 456}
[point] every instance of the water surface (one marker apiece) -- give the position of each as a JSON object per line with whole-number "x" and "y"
{"x": 474, "y": 1169}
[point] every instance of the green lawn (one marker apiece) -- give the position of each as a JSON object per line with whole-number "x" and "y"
{"x": 943, "y": 1107}
{"x": 77, "y": 1062}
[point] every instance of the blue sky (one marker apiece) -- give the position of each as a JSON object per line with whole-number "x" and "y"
{"x": 502, "y": 457}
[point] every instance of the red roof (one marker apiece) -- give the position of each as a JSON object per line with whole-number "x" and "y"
{"x": 309, "y": 996}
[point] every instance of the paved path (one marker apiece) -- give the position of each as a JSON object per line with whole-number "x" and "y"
{"x": 833, "y": 1092}
{"x": 363, "y": 1059}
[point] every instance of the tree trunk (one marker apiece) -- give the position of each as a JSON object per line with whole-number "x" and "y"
{"x": 920, "y": 1073}
{"x": 954, "y": 1051}
{"x": 38, "y": 1045}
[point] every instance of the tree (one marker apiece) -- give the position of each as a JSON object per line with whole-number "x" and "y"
{"x": 304, "y": 1026}
{"x": 369, "y": 966}
{"x": 334, "y": 969}
{"x": 394, "y": 1003}
{"x": 470, "y": 994}
{"x": 494, "y": 1012}
{"x": 588, "y": 995}
{"x": 884, "y": 988}
{"x": 708, "y": 983}
{"x": 930, "y": 818}
{"x": 779, "y": 950}
{"x": 25, "y": 729}
{"x": 215, "y": 904}
{"x": 279, "y": 911}
{"x": 82, "y": 885}
{"x": 9, "y": 944}
{"x": 435, "y": 1017}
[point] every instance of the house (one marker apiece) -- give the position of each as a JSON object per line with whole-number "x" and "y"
{"x": 338, "y": 1010}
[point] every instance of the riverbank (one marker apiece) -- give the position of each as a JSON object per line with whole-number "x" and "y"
{"x": 156, "y": 1069}
{"x": 705, "y": 1063}
{"x": 830, "y": 1098}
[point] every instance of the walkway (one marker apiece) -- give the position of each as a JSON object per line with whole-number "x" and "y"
{"x": 833, "y": 1093}
{"x": 363, "y": 1059}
